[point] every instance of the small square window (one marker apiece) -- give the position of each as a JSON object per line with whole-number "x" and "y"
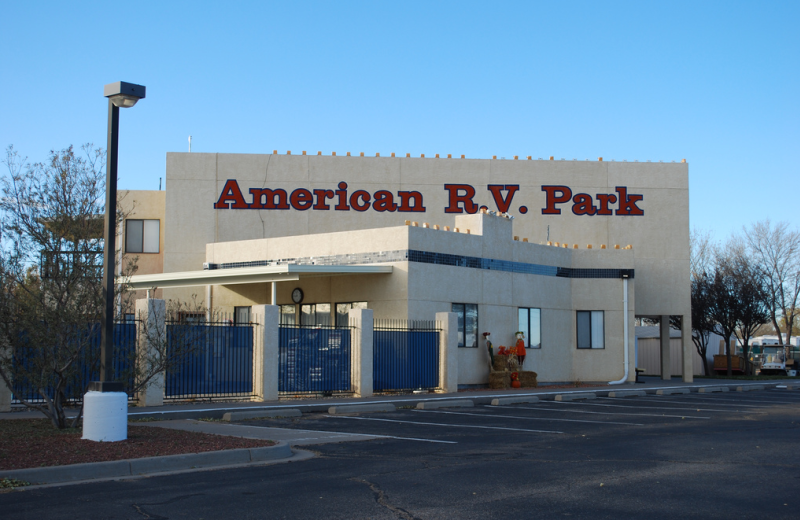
{"x": 343, "y": 312}
{"x": 590, "y": 329}
{"x": 241, "y": 315}
{"x": 288, "y": 314}
{"x": 142, "y": 236}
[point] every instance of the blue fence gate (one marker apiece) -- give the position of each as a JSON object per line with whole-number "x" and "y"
{"x": 217, "y": 360}
{"x": 405, "y": 355}
{"x": 314, "y": 359}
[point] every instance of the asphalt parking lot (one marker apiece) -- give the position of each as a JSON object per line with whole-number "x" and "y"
{"x": 721, "y": 455}
{"x": 600, "y": 416}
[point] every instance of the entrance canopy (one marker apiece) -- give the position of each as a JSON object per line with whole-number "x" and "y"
{"x": 260, "y": 274}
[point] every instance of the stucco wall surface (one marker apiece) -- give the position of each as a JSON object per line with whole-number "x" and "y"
{"x": 660, "y": 236}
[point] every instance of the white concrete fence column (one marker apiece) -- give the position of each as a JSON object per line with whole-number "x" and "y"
{"x": 448, "y": 351}
{"x": 5, "y": 391}
{"x": 666, "y": 359}
{"x": 265, "y": 351}
{"x": 688, "y": 348}
{"x": 151, "y": 339}
{"x": 361, "y": 348}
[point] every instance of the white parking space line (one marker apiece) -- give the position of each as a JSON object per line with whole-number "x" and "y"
{"x": 650, "y": 407}
{"x": 441, "y": 424}
{"x": 564, "y": 410}
{"x": 752, "y": 399}
{"x": 492, "y": 416}
{"x": 740, "y": 402}
{"x": 348, "y": 434}
{"x": 687, "y": 403}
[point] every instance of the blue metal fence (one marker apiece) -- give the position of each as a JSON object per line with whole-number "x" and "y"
{"x": 217, "y": 360}
{"x": 405, "y": 356}
{"x": 314, "y": 360}
{"x": 88, "y": 363}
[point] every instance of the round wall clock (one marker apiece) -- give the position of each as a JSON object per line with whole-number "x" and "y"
{"x": 297, "y": 295}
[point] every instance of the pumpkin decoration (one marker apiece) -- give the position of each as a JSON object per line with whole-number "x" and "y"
{"x": 515, "y": 380}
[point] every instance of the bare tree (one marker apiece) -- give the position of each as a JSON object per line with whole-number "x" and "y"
{"x": 51, "y": 220}
{"x": 702, "y": 321}
{"x": 753, "y": 299}
{"x": 701, "y": 258}
{"x": 701, "y": 252}
{"x": 725, "y": 294}
{"x": 776, "y": 254}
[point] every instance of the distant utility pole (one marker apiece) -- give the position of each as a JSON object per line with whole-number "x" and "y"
{"x": 190, "y": 144}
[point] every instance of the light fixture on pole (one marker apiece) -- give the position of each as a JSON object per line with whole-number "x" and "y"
{"x": 105, "y": 404}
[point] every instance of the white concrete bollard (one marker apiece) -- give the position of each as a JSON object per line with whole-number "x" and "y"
{"x": 105, "y": 416}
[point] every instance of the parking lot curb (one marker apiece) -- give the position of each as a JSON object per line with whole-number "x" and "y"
{"x": 749, "y": 388}
{"x": 628, "y": 393}
{"x": 148, "y": 465}
{"x": 672, "y": 391}
{"x": 261, "y": 414}
{"x": 432, "y": 405}
{"x": 358, "y": 408}
{"x": 514, "y": 400}
{"x": 710, "y": 389}
{"x": 576, "y": 396}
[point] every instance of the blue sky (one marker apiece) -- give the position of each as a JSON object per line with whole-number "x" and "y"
{"x": 716, "y": 83}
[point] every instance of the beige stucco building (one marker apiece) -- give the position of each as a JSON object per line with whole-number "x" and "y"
{"x": 559, "y": 249}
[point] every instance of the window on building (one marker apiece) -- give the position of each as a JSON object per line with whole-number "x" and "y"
{"x": 343, "y": 310}
{"x": 530, "y": 323}
{"x": 141, "y": 236}
{"x": 193, "y": 318}
{"x": 288, "y": 314}
{"x": 591, "y": 332}
{"x": 129, "y": 317}
{"x": 467, "y": 324}
{"x": 241, "y": 315}
{"x": 315, "y": 314}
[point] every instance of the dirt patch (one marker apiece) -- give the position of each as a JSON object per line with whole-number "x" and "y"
{"x": 33, "y": 443}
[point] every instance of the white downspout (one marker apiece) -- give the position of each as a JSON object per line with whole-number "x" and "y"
{"x": 624, "y": 331}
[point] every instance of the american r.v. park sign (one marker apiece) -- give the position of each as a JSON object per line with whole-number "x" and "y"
{"x": 460, "y": 199}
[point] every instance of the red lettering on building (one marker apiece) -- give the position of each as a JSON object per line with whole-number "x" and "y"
{"x": 301, "y": 199}
{"x": 605, "y": 199}
{"x": 457, "y": 197}
{"x": 460, "y": 200}
{"x": 627, "y": 203}
{"x": 231, "y": 197}
{"x": 341, "y": 193}
{"x": 555, "y": 195}
{"x": 360, "y": 194}
{"x": 269, "y": 199}
{"x": 384, "y": 201}
{"x": 408, "y": 196}
{"x": 321, "y": 196}
{"x": 583, "y": 204}
{"x": 503, "y": 203}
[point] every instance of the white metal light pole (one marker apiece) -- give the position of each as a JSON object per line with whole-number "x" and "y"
{"x": 105, "y": 416}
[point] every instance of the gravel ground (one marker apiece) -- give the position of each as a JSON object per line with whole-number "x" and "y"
{"x": 32, "y": 443}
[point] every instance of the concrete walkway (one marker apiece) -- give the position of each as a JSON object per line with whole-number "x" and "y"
{"x": 216, "y": 409}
